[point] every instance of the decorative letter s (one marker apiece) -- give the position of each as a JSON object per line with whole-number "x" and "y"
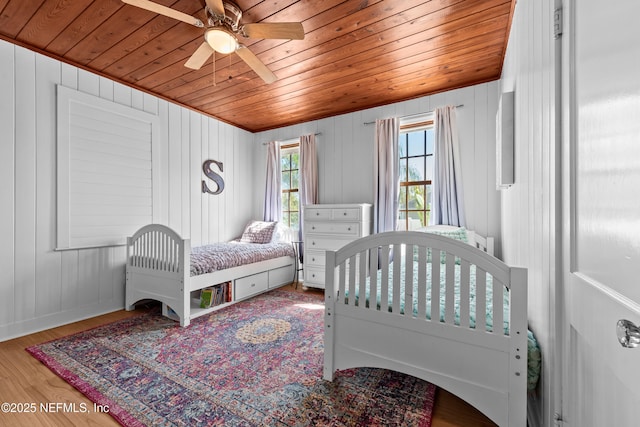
{"x": 206, "y": 168}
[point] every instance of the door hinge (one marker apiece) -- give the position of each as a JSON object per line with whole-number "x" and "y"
{"x": 557, "y": 23}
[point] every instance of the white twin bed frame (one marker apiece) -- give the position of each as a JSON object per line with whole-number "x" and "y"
{"x": 158, "y": 268}
{"x": 486, "y": 369}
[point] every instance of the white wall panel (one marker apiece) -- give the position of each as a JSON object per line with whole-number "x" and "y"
{"x": 529, "y": 207}
{"x": 40, "y": 287}
{"x": 7, "y": 180}
{"x": 346, "y": 144}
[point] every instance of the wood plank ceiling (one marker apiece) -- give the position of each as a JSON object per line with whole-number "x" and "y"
{"x": 356, "y": 54}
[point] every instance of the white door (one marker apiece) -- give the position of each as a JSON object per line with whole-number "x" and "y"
{"x": 601, "y": 211}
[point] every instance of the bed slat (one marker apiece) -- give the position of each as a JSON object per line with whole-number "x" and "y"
{"x": 408, "y": 290}
{"x": 465, "y": 285}
{"x": 422, "y": 280}
{"x": 481, "y": 299}
{"x": 384, "y": 284}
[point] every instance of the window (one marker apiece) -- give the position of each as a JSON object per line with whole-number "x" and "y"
{"x": 290, "y": 164}
{"x": 415, "y": 154}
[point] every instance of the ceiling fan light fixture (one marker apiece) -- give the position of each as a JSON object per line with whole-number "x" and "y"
{"x": 221, "y": 40}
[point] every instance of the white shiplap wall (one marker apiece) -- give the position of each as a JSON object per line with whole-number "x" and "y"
{"x": 530, "y": 208}
{"x": 40, "y": 287}
{"x": 345, "y": 152}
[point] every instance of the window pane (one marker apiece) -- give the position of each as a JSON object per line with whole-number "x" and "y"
{"x": 286, "y": 180}
{"x": 402, "y": 221}
{"x": 403, "y": 169}
{"x": 430, "y": 140}
{"x": 295, "y": 160}
{"x": 295, "y": 222}
{"x": 403, "y": 198}
{"x": 285, "y": 218}
{"x": 294, "y": 179}
{"x": 428, "y": 196}
{"x": 416, "y": 197}
{"x": 294, "y": 200}
{"x": 416, "y": 169}
{"x": 416, "y": 143}
{"x": 416, "y": 220}
{"x": 402, "y": 145}
{"x": 285, "y": 162}
{"x": 285, "y": 201}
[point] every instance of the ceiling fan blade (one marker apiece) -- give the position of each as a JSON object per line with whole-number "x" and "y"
{"x": 256, "y": 65}
{"x": 216, "y": 6}
{"x": 199, "y": 57}
{"x": 166, "y": 11}
{"x": 274, "y": 30}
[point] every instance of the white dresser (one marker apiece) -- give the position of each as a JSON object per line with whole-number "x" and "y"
{"x": 330, "y": 227}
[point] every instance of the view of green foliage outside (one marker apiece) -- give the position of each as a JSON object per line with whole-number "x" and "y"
{"x": 290, "y": 159}
{"x": 415, "y": 152}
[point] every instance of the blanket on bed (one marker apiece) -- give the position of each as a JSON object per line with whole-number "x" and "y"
{"x": 534, "y": 354}
{"x": 220, "y": 256}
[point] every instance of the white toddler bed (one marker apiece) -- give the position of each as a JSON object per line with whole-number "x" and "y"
{"x": 162, "y": 266}
{"x": 483, "y": 365}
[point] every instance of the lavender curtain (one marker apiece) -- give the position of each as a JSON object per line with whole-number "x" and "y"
{"x": 308, "y": 170}
{"x": 272, "y": 194}
{"x": 447, "y": 205}
{"x": 308, "y": 185}
{"x": 386, "y": 178}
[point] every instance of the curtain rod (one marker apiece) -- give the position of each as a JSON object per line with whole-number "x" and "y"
{"x": 291, "y": 139}
{"x": 414, "y": 115}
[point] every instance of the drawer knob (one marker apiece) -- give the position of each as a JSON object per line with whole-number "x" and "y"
{"x": 313, "y": 243}
{"x": 313, "y": 259}
{"x": 349, "y": 229}
{"x": 317, "y": 213}
{"x": 313, "y": 228}
{"x": 344, "y": 213}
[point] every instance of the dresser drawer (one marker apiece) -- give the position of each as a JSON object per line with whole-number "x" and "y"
{"x": 250, "y": 285}
{"x": 345, "y": 213}
{"x": 311, "y": 214}
{"x": 343, "y": 228}
{"x": 314, "y": 258}
{"x": 324, "y": 243}
{"x": 314, "y": 275}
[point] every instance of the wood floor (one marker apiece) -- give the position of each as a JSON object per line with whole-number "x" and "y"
{"x": 24, "y": 381}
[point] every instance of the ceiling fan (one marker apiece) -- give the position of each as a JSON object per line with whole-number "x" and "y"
{"x": 221, "y": 31}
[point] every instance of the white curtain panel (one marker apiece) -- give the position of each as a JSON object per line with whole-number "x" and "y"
{"x": 386, "y": 178}
{"x": 447, "y": 206}
{"x": 272, "y": 194}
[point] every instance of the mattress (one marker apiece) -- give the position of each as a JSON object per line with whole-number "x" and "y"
{"x": 220, "y": 256}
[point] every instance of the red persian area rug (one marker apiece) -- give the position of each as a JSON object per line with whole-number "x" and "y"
{"x": 255, "y": 363}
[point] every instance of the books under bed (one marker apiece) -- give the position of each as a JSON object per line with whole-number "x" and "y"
{"x": 162, "y": 266}
{"x": 431, "y": 305}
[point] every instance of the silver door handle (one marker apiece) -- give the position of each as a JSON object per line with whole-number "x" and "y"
{"x": 628, "y": 333}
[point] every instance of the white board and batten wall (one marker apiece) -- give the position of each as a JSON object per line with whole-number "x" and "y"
{"x": 345, "y": 152}
{"x": 531, "y": 206}
{"x": 41, "y": 287}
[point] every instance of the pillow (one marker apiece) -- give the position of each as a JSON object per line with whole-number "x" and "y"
{"x": 258, "y": 232}
{"x": 451, "y": 231}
